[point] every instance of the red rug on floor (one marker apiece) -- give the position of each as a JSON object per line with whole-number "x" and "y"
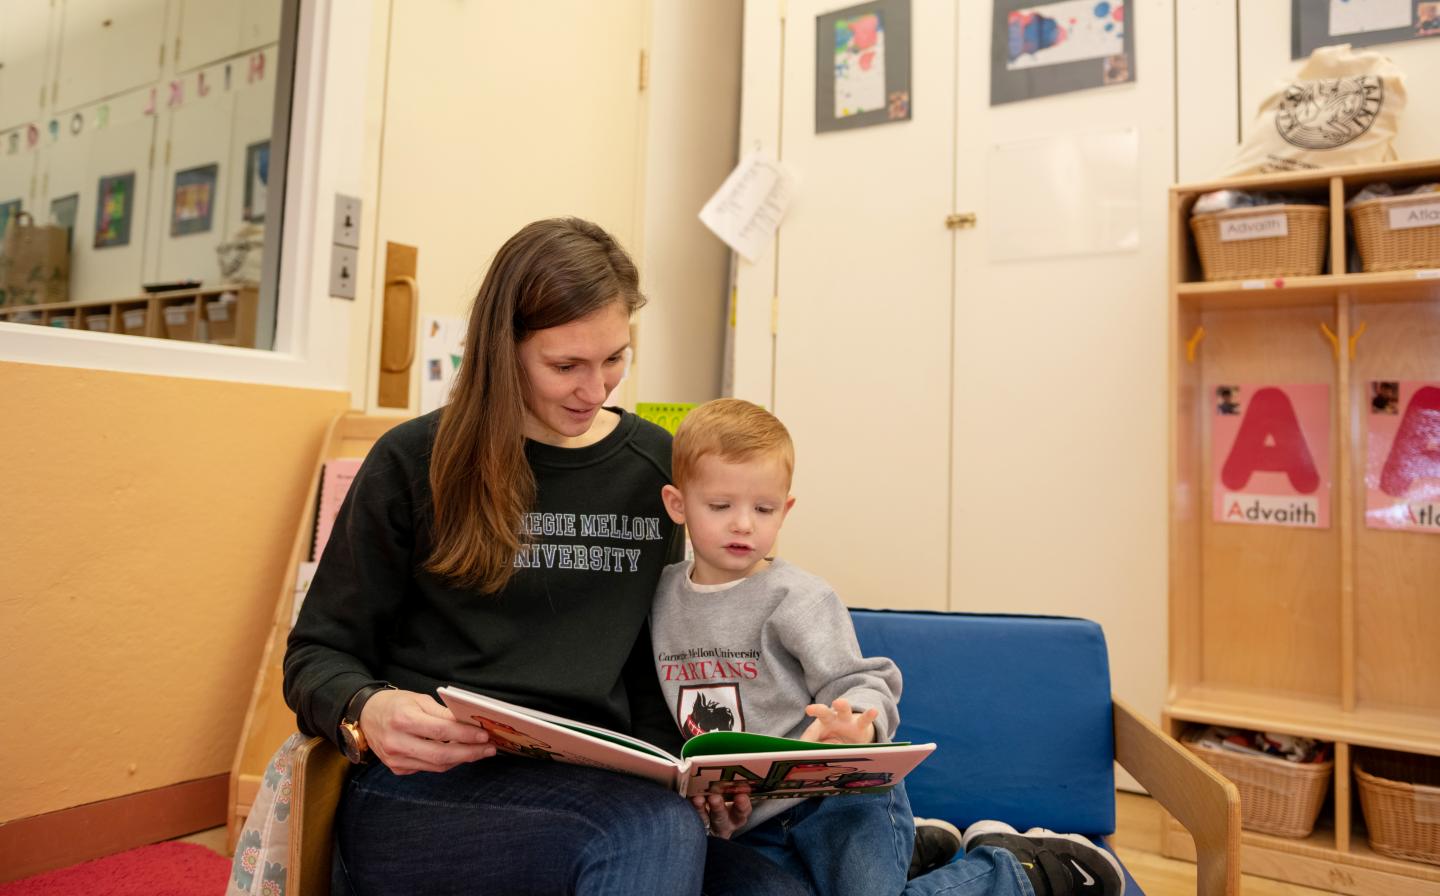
{"x": 161, "y": 869}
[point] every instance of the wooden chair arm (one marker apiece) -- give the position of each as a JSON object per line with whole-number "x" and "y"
{"x": 1199, "y": 797}
{"x": 319, "y": 772}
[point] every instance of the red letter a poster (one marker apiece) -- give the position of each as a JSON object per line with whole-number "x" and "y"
{"x": 1402, "y": 456}
{"x": 1270, "y": 455}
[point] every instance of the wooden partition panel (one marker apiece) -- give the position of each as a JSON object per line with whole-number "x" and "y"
{"x": 1397, "y": 573}
{"x": 1270, "y": 594}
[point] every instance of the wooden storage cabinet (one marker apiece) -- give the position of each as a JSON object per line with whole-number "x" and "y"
{"x": 1331, "y": 633}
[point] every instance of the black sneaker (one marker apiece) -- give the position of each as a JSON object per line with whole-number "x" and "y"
{"x": 1057, "y": 864}
{"x": 936, "y": 843}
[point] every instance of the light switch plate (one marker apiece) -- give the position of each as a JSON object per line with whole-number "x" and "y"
{"x": 343, "y": 261}
{"x": 347, "y": 221}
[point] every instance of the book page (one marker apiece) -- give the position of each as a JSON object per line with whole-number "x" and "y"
{"x": 524, "y": 732}
{"x": 821, "y": 770}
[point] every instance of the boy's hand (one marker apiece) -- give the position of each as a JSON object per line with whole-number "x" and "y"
{"x": 721, "y": 819}
{"x": 839, "y": 724}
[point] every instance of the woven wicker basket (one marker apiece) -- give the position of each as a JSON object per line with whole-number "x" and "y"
{"x": 1276, "y": 796}
{"x": 1383, "y": 249}
{"x": 1299, "y": 253}
{"x": 1400, "y": 794}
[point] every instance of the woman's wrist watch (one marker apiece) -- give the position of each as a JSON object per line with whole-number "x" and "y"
{"x": 352, "y": 739}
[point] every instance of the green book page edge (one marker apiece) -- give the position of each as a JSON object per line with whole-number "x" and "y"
{"x": 720, "y": 743}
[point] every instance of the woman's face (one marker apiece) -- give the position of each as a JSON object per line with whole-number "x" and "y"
{"x": 567, "y": 371}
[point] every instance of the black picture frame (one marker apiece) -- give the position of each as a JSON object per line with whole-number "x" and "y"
{"x": 893, "y": 26}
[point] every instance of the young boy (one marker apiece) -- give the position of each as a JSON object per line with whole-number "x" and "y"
{"x": 743, "y": 641}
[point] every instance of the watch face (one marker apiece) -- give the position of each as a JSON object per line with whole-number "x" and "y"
{"x": 352, "y": 742}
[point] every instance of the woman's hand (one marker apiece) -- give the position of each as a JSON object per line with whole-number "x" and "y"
{"x": 722, "y": 819}
{"x": 412, "y": 732}
{"x": 839, "y": 724}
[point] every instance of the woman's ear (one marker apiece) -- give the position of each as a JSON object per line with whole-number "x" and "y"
{"x": 674, "y": 504}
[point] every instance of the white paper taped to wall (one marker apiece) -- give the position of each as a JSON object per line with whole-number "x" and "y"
{"x": 746, "y": 210}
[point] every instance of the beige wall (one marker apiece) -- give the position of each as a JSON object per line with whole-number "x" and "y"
{"x": 147, "y": 525}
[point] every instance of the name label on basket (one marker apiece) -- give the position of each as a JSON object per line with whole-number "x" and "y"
{"x": 1254, "y": 227}
{"x": 177, "y": 317}
{"x": 1424, "y": 214}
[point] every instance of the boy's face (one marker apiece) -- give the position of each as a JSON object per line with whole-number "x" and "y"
{"x": 733, "y": 512}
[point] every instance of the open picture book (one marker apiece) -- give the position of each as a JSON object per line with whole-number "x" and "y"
{"x": 724, "y": 762}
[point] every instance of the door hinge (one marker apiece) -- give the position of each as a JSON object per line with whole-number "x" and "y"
{"x": 962, "y": 221}
{"x": 644, "y": 70}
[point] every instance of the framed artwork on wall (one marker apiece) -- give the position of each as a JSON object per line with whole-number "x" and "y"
{"x": 114, "y": 210}
{"x": 1041, "y": 49}
{"x": 1359, "y": 23}
{"x": 862, "y": 66}
{"x": 193, "y": 208}
{"x": 257, "y": 179}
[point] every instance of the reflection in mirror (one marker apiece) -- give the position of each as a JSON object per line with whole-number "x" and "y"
{"x": 142, "y": 147}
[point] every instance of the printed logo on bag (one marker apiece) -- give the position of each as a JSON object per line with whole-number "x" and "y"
{"x": 1330, "y": 113}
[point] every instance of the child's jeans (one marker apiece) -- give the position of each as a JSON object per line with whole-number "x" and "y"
{"x": 861, "y": 846}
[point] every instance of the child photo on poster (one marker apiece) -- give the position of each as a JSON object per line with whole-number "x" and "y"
{"x": 1270, "y": 454}
{"x": 1402, "y": 456}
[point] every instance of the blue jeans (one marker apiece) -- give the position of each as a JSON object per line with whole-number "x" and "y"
{"x": 861, "y": 846}
{"x": 517, "y": 826}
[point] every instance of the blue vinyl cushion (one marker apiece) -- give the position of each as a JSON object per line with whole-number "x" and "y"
{"x": 1019, "y": 707}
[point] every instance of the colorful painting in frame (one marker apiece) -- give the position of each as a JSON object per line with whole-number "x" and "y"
{"x": 193, "y": 210}
{"x": 257, "y": 180}
{"x": 1270, "y": 455}
{"x": 1041, "y": 49}
{"x": 114, "y": 210}
{"x": 862, "y": 66}
{"x": 1402, "y": 456}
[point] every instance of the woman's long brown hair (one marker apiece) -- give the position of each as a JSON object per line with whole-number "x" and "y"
{"x": 550, "y": 273}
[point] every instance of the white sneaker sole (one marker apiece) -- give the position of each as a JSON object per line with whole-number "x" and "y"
{"x": 942, "y": 824}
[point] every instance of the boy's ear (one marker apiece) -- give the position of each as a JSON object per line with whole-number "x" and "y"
{"x": 789, "y": 503}
{"x": 674, "y": 504}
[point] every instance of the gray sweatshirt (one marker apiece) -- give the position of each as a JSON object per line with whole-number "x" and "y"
{"x": 752, "y": 657}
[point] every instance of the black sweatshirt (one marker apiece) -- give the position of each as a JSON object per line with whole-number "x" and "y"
{"x": 567, "y": 635}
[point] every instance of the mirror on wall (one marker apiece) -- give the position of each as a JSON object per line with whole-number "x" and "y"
{"x": 140, "y": 165}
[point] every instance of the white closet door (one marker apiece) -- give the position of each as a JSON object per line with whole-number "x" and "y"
{"x": 24, "y": 44}
{"x": 108, "y": 47}
{"x": 200, "y": 135}
{"x": 75, "y": 166}
{"x": 862, "y": 355}
{"x": 486, "y": 129}
{"x": 1060, "y": 351}
{"x": 211, "y": 30}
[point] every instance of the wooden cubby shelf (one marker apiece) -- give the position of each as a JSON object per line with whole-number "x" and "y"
{"x": 1329, "y": 633}
{"x": 220, "y": 315}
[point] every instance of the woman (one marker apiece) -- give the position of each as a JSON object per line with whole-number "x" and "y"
{"x": 509, "y": 543}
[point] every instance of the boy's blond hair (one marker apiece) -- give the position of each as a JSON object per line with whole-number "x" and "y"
{"x": 734, "y": 431}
